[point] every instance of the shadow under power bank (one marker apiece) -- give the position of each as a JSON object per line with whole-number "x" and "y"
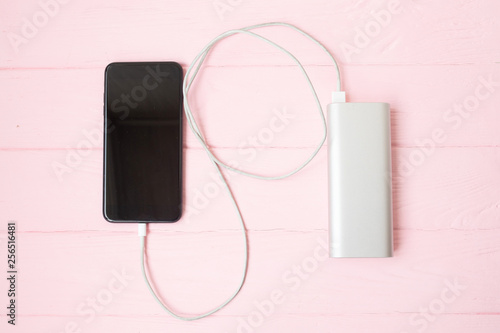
{"x": 359, "y": 172}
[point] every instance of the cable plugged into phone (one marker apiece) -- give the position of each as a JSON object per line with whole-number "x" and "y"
{"x": 142, "y": 230}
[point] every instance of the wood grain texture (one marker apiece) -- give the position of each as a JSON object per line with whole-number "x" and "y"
{"x": 435, "y": 62}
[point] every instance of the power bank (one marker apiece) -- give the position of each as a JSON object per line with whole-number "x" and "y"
{"x": 360, "y": 189}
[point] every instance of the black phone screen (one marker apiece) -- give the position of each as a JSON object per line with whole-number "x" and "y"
{"x": 143, "y": 142}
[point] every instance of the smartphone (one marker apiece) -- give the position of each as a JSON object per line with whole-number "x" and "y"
{"x": 142, "y": 142}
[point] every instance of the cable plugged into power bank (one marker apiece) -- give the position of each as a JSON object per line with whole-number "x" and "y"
{"x": 338, "y": 97}
{"x": 359, "y": 179}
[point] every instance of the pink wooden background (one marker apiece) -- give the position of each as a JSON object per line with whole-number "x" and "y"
{"x": 435, "y": 62}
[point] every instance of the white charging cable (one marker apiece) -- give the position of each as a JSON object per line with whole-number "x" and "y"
{"x": 188, "y": 80}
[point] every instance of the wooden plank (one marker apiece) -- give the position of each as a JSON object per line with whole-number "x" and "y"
{"x": 413, "y": 33}
{"x": 254, "y": 106}
{"x": 455, "y": 188}
{"x": 195, "y": 272}
{"x": 395, "y": 322}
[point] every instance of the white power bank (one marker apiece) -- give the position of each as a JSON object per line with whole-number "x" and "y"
{"x": 360, "y": 189}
